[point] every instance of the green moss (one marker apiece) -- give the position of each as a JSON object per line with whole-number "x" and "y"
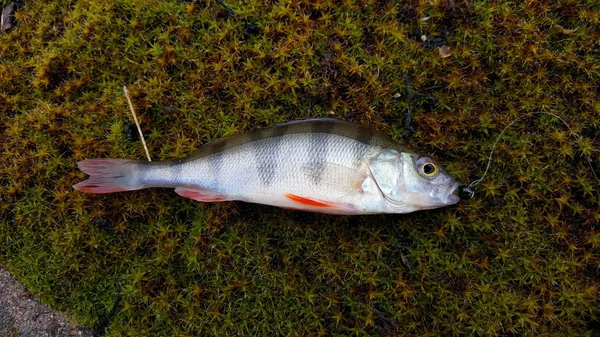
{"x": 522, "y": 258}
{"x": 9, "y": 330}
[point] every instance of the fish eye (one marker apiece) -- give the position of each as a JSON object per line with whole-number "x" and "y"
{"x": 429, "y": 169}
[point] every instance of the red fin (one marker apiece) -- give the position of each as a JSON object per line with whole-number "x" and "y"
{"x": 200, "y": 194}
{"x": 306, "y": 201}
{"x": 107, "y": 175}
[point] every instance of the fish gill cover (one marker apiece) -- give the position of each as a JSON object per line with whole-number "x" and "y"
{"x": 520, "y": 258}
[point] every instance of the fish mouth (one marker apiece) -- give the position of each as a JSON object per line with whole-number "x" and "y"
{"x": 452, "y": 197}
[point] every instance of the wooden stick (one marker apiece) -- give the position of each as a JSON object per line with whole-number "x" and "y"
{"x": 136, "y": 122}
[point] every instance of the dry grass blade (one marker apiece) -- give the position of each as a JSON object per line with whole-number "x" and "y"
{"x": 137, "y": 123}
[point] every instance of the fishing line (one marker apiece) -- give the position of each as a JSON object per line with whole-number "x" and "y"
{"x": 466, "y": 192}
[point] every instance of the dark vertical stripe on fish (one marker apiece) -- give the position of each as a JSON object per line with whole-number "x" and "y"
{"x": 318, "y": 149}
{"x": 266, "y": 150}
{"x": 215, "y": 162}
{"x": 363, "y": 138}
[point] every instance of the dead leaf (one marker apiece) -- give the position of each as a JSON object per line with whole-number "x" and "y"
{"x": 564, "y": 30}
{"x": 425, "y": 18}
{"x": 6, "y": 18}
{"x": 444, "y": 51}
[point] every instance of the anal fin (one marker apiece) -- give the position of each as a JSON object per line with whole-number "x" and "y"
{"x": 201, "y": 195}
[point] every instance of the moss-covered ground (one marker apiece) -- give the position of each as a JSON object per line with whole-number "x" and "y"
{"x": 521, "y": 258}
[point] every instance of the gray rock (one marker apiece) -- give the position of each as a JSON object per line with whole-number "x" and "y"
{"x": 23, "y": 316}
{"x": 6, "y": 18}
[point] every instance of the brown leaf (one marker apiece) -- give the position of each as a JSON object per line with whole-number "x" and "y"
{"x": 564, "y": 30}
{"x": 444, "y": 51}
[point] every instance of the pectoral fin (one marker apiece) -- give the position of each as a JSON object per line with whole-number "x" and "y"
{"x": 340, "y": 176}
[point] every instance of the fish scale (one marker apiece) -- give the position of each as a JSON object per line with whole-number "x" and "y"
{"x": 321, "y": 165}
{"x": 300, "y": 150}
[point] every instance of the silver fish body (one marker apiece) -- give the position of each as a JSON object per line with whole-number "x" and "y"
{"x": 320, "y": 165}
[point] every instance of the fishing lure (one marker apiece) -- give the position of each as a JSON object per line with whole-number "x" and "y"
{"x": 318, "y": 165}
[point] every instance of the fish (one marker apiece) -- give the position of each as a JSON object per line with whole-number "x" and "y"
{"x": 317, "y": 165}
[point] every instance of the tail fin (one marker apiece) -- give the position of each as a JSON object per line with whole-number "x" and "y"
{"x": 108, "y": 175}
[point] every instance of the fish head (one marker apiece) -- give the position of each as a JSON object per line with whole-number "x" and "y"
{"x": 410, "y": 182}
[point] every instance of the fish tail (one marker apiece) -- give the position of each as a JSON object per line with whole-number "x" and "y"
{"x": 108, "y": 175}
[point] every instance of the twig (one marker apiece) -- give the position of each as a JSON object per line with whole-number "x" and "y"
{"x": 136, "y": 122}
{"x": 104, "y": 322}
{"x": 401, "y": 243}
{"x": 408, "y": 130}
{"x": 230, "y": 11}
